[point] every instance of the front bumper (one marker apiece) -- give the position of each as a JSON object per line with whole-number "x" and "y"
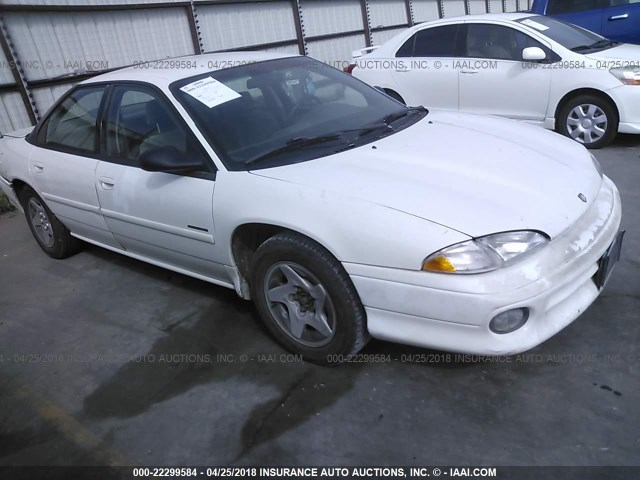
{"x": 627, "y": 99}
{"x": 7, "y": 189}
{"x": 452, "y": 312}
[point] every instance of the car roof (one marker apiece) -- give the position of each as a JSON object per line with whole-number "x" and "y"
{"x": 483, "y": 16}
{"x": 164, "y": 72}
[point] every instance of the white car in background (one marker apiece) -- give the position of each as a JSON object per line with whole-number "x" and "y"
{"x": 340, "y": 212}
{"x": 522, "y": 66}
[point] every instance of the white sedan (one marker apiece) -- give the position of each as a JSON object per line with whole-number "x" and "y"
{"x": 527, "y": 67}
{"x": 340, "y": 212}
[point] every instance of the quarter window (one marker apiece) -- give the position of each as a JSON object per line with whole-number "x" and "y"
{"x": 73, "y": 124}
{"x": 431, "y": 42}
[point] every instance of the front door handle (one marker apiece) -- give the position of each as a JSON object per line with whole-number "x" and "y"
{"x": 107, "y": 183}
{"x": 619, "y": 17}
{"x": 402, "y": 70}
{"x": 469, "y": 72}
{"x": 38, "y": 167}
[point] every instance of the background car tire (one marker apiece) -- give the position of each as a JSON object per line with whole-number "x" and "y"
{"x": 305, "y": 259}
{"x": 576, "y": 107}
{"x": 52, "y": 236}
{"x": 395, "y": 95}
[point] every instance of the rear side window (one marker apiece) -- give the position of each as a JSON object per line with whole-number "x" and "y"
{"x": 618, "y": 3}
{"x": 431, "y": 42}
{"x": 73, "y": 123}
{"x": 569, "y": 6}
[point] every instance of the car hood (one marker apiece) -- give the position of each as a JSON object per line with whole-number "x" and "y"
{"x": 624, "y": 52}
{"x": 475, "y": 174}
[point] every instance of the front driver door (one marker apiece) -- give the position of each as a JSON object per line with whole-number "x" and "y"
{"x": 621, "y": 21}
{"x": 166, "y": 218}
{"x": 585, "y": 13}
{"x": 494, "y": 79}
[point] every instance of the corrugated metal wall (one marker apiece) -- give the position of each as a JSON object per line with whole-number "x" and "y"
{"x": 48, "y": 45}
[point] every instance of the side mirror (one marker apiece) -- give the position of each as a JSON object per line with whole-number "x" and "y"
{"x": 168, "y": 160}
{"x": 532, "y": 54}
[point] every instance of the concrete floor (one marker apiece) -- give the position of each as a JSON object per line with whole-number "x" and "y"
{"x": 83, "y": 381}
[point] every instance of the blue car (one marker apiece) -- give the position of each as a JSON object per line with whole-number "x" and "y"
{"x": 614, "y": 19}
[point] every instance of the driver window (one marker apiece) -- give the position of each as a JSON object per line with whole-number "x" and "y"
{"x": 139, "y": 120}
{"x": 497, "y": 42}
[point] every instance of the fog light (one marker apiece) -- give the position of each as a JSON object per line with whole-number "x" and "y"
{"x": 509, "y": 321}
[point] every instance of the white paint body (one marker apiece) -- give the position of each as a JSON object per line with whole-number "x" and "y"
{"x": 532, "y": 93}
{"x": 380, "y": 212}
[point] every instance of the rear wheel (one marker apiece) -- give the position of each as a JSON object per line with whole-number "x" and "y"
{"x": 588, "y": 119}
{"x": 307, "y": 300}
{"x": 52, "y": 236}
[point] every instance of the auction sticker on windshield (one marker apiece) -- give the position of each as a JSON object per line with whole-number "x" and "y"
{"x": 210, "y": 92}
{"x": 534, "y": 24}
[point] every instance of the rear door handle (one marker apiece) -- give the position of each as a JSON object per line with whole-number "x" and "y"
{"x": 402, "y": 70}
{"x": 619, "y": 17}
{"x": 469, "y": 72}
{"x": 38, "y": 167}
{"x": 107, "y": 183}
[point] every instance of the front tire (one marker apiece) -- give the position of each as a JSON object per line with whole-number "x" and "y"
{"x": 588, "y": 119}
{"x": 52, "y": 236}
{"x": 306, "y": 299}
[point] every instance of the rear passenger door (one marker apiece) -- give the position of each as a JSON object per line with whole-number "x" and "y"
{"x": 166, "y": 218}
{"x": 429, "y": 78}
{"x": 621, "y": 21}
{"x": 65, "y": 159}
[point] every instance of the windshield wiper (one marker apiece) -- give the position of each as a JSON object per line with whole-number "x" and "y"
{"x": 392, "y": 117}
{"x": 362, "y": 131}
{"x": 594, "y": 46}
{"x": 294, "y": 144}
{"x": 605, "y": 43}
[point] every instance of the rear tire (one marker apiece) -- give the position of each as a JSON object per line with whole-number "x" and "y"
{"x": 52, "y": 236}
{"x": 306, "y": 299}
{"x": 588, "y": 119}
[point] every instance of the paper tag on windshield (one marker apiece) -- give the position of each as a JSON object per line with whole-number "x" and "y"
{"x": 534, "y": 24}
{"x": 210, "y": 92}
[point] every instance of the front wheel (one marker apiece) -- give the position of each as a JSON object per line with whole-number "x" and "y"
{"x": 307, "y": 300}
{"x": 52, "y": 236}
{"x": 589, "y": 120}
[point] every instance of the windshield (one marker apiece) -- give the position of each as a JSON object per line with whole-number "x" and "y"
{"x": 566, "y": 34}
{"x": 287, "y": 110}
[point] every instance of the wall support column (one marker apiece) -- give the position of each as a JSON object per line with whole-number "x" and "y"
{"x": 18, "y": 73}
{"x": 366, "y": 22}
{"x": 196, "y": 37}
{"x": 299, "y": 22}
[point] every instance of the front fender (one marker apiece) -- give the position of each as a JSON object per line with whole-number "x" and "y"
{"x": 353, "y": 230}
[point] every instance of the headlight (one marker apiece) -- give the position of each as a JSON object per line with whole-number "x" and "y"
{"x": 627, "y": 75}
{"x": 485, "y": 253}
{"x": 596, "y": 164}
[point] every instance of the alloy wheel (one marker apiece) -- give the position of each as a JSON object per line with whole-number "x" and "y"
{"x": 41, "y": 223}
{"x": 300, "y": 304}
